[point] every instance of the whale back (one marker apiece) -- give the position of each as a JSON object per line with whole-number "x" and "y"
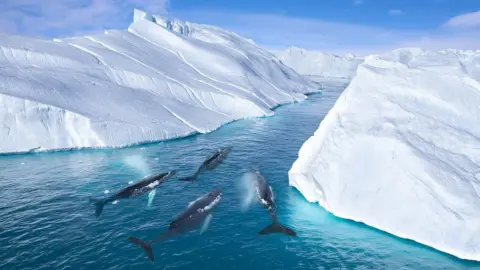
{"x": 196, "y": 209}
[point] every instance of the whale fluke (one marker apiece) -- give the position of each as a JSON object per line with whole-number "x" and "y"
{"x": 276, "y": 227}
{"x": 98, "y": 206}
{"x": 147, "y": 247}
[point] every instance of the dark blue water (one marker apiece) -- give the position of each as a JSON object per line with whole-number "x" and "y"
{"x": 46, "y": 221}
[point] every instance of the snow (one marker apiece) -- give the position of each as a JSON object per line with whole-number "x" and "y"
{"x": 160, "y": 79}
{"x": 400, "y": 150}
{"x": 319, "y": 64}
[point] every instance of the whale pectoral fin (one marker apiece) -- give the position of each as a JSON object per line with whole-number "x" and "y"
{"x": 151, "y": 195}
{"x": 206, "y": 223}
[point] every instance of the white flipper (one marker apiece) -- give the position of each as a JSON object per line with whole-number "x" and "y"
{"x": 151, "y": 195}
{"x": 206, "y": 223}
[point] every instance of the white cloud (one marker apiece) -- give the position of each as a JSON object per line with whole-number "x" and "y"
{"x": 58, "y": 17}
{"x": 62, "y": 18}
{"x": 466, "y": 41}
{"x": 395, "y": 12}
{"x": 278, "y": 31}
{"x": 157, "y": 7}
{"x": 468, "y": 20}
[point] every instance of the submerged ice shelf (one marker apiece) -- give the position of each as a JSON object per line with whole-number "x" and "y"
{"x": 400, "y": 150}
{"x": 159, "y": 79}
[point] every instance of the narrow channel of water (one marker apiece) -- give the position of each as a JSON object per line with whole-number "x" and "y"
{"x": 46, "y": 221}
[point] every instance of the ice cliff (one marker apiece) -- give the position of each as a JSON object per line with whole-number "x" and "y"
{"x": 400, "y": 150}
{"x": 159, "y": 79}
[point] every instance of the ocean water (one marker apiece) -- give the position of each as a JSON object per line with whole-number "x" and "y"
{"x": 47, "y": 222}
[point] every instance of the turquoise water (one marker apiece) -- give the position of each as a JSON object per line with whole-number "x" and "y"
{"x": 46, "y": 221}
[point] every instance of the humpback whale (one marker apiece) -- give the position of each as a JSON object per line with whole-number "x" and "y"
{"x": 145, "y": 185}
{"x": 266, "y": 197}
{"x": 210, "y": 163}
{"x": 195, "y": 213}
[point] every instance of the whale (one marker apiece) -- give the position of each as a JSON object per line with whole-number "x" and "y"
{"x": 210, "y": 163}
{"x": 266, "y": 197}
{"x": 197, "y": 212}
{"x": 143, "y": 186}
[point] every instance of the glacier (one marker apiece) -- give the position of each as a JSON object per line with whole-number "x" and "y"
{"x": 400, "y": 150}
{"x": 159, "y": 79}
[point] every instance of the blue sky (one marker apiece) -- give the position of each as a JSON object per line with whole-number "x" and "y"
{"x": 339, "y": 26}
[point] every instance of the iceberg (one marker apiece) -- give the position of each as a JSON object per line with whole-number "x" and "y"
{"x": 158, "y": 80}
{"x": 318, "y": 64}
{"x": 400, "y": 150}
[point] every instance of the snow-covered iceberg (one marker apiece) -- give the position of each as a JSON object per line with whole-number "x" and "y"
{"x": 318, "y": 64}
{"x": 400, "y": 150}
{"x": 159, "y": 79}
